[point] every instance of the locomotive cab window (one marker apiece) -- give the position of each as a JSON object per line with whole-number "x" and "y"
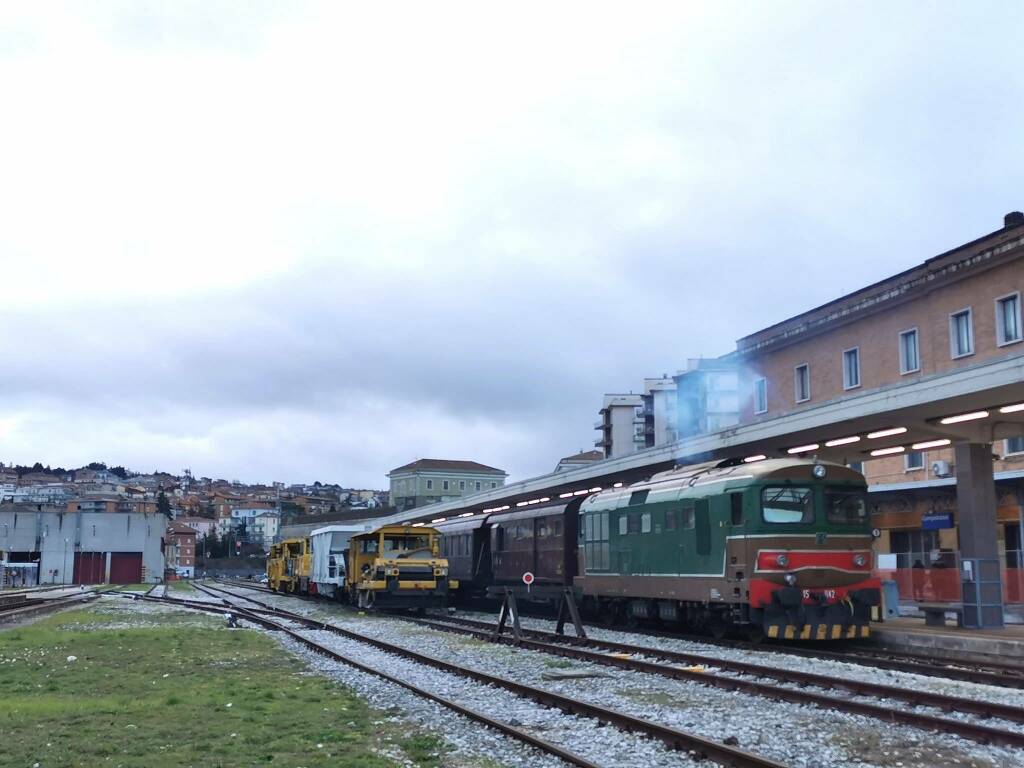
{"x": 846, "y": 507}
{"x": 788, "y": 505}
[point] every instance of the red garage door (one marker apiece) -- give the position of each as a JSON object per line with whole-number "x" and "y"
{"x": 89, "y": 567}
{"x": 125, "y": 567}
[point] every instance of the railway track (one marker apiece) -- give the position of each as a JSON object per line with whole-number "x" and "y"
{"x": 674, "y": 738}
{"x": 988, "y": 673}
{"x": 625, "y": 656}
{"x": 14, "y": 611}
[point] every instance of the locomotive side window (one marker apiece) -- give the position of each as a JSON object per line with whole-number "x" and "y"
{"x": 634, "y": 522}
{"x": 671, "y": 520}
{"x": 596, "y": 548}
{"x": 789, "y": 505}
{"x": 623, "y": 525}
{"x": 645, "y": 522}
{"x": 846, "y": 507}
{"x": 687, "y": 520}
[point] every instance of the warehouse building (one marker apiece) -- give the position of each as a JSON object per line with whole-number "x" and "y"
{"x": 82, "y": 547}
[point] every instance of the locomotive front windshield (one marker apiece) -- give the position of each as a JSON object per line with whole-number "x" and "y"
{"x": 846, "y": 507}
{"x": 792, "y": 504}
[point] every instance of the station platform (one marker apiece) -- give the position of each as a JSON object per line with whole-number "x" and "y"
{"x": 1004, "y": 645}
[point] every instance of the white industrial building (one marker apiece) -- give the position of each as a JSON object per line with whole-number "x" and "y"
{"x": 83, "y": 547}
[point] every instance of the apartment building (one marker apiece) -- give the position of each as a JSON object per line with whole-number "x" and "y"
{"x": 707, "y": 395}
{"x": 427, "y": 481}
{"x": 180, "y": 550}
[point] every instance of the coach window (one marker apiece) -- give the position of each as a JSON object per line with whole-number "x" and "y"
{"x": 686, "y": 518}
{"x": 645, "y": 522}
{"x": 788, "y": 505}
{"x": 671, "y": 520}
{"x": 623, "y": 525}
{"x": 736, "y": 508}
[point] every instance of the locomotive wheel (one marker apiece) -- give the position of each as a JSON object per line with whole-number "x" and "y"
{"x": 755, "y": 633}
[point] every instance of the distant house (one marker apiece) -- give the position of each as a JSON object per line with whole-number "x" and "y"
{"x": 578, "y": 460}
{"x": 180, "y": 550}
{"x": 203, "y": 526}
{"x": 426, "y": 481}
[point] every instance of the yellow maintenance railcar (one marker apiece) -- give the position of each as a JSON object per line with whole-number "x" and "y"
{"x": 398, "y": 566}
{"x": 288, "y": 566}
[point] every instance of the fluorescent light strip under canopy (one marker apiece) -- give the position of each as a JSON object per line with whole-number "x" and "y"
{"x": 888, "y": 451}
{"x": 972, "y": 416}
{"x": 930, "y": 444}
{"x": 759, "y": 457}
{"x": 842, "y": 441}
{"x": 804, "y": 448}
{"x": 1012, "y": 408}
{"x": 886, "y": 433}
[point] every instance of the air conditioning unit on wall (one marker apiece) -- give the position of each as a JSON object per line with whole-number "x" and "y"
{"x": 941, "y": 469}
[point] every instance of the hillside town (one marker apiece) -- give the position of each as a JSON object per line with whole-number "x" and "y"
{"x": 187, "y": 520}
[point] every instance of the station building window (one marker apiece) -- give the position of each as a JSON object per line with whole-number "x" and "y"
{"x": 1014, "y": 445}
{"x": 913, "y": 460}
{"x": 851, "y": 368}
{"x": 802, "y": 382}
{"x": 961, "y": 334}
{"x": 910, "y": 355}
{"x": 430, "y": 485}
{"x": 856, "y": 466}
{"x": 462, "y": 485}
{"x": 444, "y": 485}
{"x": 494, "y": 485}
{"x": 1008, "y": 325}
{"x": 477, "y": 485}
{"x": 761, "y": 395}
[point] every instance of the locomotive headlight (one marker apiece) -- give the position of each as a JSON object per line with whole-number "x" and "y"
{"x": 859, "y": 560}
{"x": 790, "y": 579}
{"x": 818, "y": 471}
{"x": 782, "y": 560}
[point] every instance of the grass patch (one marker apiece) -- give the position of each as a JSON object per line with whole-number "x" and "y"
{"x": 135, "y": 587}
{"x": 162, "y": 689}
{"x": 181, "y": 586}
{"x": 425, "y": 749}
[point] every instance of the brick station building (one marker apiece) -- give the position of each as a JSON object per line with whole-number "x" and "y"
{"x": 958, "y": 310}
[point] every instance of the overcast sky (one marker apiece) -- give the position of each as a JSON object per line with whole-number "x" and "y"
{"x": 295, "y": 242}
